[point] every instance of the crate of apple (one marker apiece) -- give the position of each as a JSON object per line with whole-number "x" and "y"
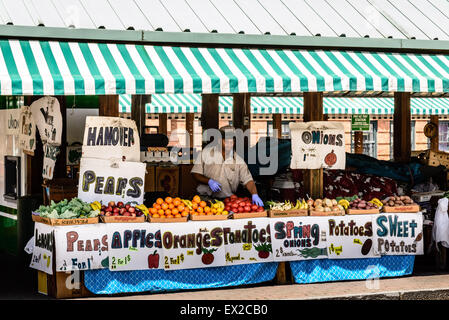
{"x": 243, "y": 208}
{"x": 120, "y": 212}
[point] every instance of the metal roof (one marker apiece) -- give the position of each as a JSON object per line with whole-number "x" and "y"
{"x": 398, "y": 19}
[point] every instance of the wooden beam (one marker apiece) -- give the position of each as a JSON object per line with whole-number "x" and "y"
{"x": 277, "y": 124}
{"x": 163, "y": 123}
{"x": 402, "y": 140}
{"x": 313, "y": 111}
{"x": 60, "y": 170}
{"x": 209, "y": 111}
{"x": 358, "y": 142}
{"x": 241, "y": 111}
{"x": 109, "y": 105}
{"x": 138, "y": 103}
{"x": 190, "y": 117}
{"x": 434, "y": 142}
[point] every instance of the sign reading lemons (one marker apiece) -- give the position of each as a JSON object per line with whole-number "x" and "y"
{"x": 360, "y": 122}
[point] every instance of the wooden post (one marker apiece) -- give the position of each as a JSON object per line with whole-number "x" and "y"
{"x": 402, "y": 148}
{"x": 358, "y": 142}
{"x": 313, "y": 111}
{"x": 277, "y": 124}
{"x": 241, "y": 111}
{"x": 209, "y": 113}
{"x": 190, "y": 117}
{"x": 60, "y": 170}
{"x": 434, "y": 142}
{"x": 163, "y": 123}
{"x": 109, "y": 105}
{"x": 138, "y": 103}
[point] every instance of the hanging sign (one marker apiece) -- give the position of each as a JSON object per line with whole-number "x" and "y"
{"x": 105, "y": 180}
{"x": 48, "y": 118}
{"x": 317, "y": 144}
{"x": 12, "y": 122}
{"x": 134, "y": 246}
{"x": 350, "y": 237}
{"x": 193, "y": 245}
{"x": 27, "y": 134}
{"x": 398, "y": 234}
{"x": 42, "y": 258}
{"x": 299, "y": 238}
{"x": 81, "y": 247}
{"x": 50, "y": 154}
{"x": 111, "y": 137}
{"x": 360, "y": 122}
{"x": 247, "y": 241}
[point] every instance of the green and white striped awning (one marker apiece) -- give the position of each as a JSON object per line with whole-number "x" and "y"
{"x": 78, "y": 68}
{"x": 184, "y": 103}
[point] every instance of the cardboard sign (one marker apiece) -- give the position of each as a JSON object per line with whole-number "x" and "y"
{"x": 48, "y": 118}
{"x": 27, "y": 134}
{"x": 360, "y": 122}
{"x": 350, "y": 237}
{"x": 50, "y": 155}
{"x": 111, "y": 137}
{"x": 398, "y": 234}
{"x": 193, "y": 245}
{"x": 318, "y": 144}
{"x": 299, "y": 238}
{"x": 42, "y": 258}
{"x": 105, "y": 180}
{"x": 12, "y": 122}
{"x": 134, "y": 246}
{"x": 247, "y": 241}
{"x": 81, "y": 247}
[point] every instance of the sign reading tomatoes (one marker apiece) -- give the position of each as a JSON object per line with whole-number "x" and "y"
{"x": 317, "y": 144}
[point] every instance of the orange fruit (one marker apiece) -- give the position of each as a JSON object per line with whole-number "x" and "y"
{"x": 209, "y": 213}
{"x": 196, "y": 199}
{"x": 203, "y": 204}
{"x": 178, "y": 198}
{"x": 159, "y": 201}
{"x": 162, "y": 217}
{"x": 175, "y": 211}
{"x": 181, "y": 207}
{"x": 194, "y": 206}
{"x": 184, "y": 214}
{"x": 200, "y": 210}
{"x": 169, "y": 199}
{"x": 169, "y": 216}
{"x": 156, "y": 216}
{"x": 157, "y": 206}
{"x": 153, "y": 210}
{"x": 192, "y": 213}
{"x": 171, "y": 206}
{"x": 202, "y": 214}
{"x": 206, "y": 209}
{"x": 176, "y": 202}
{"x": 164, "y": 206}
{"x": 178, "y": 216}
{"x": 168, "y": 212}
{"x": 160, "y": 212}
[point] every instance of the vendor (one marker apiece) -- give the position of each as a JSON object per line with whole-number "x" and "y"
{"x": 220, "y": 178}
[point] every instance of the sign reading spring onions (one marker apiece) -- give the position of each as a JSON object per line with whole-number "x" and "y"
{"x": 317, "y": 144}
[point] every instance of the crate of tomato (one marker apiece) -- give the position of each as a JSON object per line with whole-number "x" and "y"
{"x": 243, "y": 208}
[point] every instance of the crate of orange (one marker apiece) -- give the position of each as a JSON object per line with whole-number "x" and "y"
{"x": 169, "y": 210}
{"x": 205, "y": 211}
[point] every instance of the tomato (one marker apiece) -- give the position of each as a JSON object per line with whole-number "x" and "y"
{"x": 233, "y": 197}
{"x": 247, "y": 209}
{"x": 242, "y": 204}
{"x": 260, "y": 209}
{"x": 227, "y": 200}
{"x": 241, "y": 209}
{"x": 245, "y": 199}
{"x": 254, "y": 207}
{"x": 227, "y": 208}
{"x": 234, "y": 205}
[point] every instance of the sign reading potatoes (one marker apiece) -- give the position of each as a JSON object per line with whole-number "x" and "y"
{"x": 317, "y": 145}
{"x": 111, "y": 137}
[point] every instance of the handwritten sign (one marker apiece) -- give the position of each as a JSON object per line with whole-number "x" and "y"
{"x": 193, "y": 245}
{"x": 299, "y": 238}
{"x": 81, "y": 247}
{"x": 48, "y": 118}
{"x": 27, "y": 134}
{"x": 44, "y": 243}
{"x": 350, "y": 237}
{"x": 318, "y": 144}
{"x": 134, "y": 246}
{"x": 50, "y": 156}
{"x": 247, "y": 241}
{"x": 104, "y": 180}
{"x": 12, "y": 122}
{"x": 111, "y": 137}
{"x": 398, "y": 234}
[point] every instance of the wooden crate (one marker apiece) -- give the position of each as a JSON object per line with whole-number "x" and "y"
{"x": 167, "y": 180}
{"x": 246, "y": 215}
{"x": 208, "y": 217}
{"x": 167, "y": 220}
{"x": 288, "y": 213}
{"x": 64, "y": 222}
{"x": 122, "y": 219}
{"x": 401, "y": 209}
{"x": 328, "y": 213}
{"x": 150, "y": 178}
{"x": 356, "y": 211}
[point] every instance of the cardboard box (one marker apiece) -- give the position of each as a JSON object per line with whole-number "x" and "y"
{"x": 328, "y": 213}
{"x": 401, "y": 209}
{"x": 122, "y": 219}
{"x": 356, "y": 211}
{"x": 64, "y": 222}
{"x": 167, "y": 180}
{"x": 208, "y": 217}
{"x": 246, "y": 215}
{"x": 288, "y": 213}
{"x": 150, "y": 178}
{"x": 167, "y": 220}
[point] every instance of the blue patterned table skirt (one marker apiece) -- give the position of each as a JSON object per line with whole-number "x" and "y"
{"x": 103, "y": 281}
{"x": 323, "y": 270}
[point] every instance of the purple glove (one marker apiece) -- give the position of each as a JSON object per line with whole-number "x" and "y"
{"x": 214, "y": 185}
{"x": 257, "y": 200}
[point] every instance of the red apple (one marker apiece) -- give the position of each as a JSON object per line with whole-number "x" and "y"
{"x": 120, "y": 204}
{"x": 116, "y": 210}
{"x": 109, "y": 209}
{"x": 107, "y": 214}
{"x": 115, "y": 214}
{"x": 127, "y": 214}
{"x": 111, "y": 204}
{"x": 127, "y": 206}
{"x": 122, "y": 211}
{"x": 132, "y": 210}
{"x": 133, "y": 214}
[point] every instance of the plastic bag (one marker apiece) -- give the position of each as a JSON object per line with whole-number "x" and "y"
{"x": 440, "y": 230}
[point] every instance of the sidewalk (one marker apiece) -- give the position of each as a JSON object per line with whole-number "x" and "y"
{"x": 405, "y": 288}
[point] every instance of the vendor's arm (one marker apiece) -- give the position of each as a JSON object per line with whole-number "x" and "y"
{"x": 251, "y": 186}
{"x": 247, "y": 180}
{"x": 200, "y": 178}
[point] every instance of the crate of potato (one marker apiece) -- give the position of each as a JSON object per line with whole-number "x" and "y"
{"x": 359, "y": 206}
{"x": 325, "y": 207}
{"x": 399, "y": 204}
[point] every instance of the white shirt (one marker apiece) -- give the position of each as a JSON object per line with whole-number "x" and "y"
{"x": 229, "y": 173}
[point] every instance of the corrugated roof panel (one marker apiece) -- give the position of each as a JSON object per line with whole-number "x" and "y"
{"x": 332, "y": 18}
{"x": 285, "y": 17}
{"x": 308, "y": 17}
{"x": 419, "y": 19}
{"x": 130, "y": 15}
{"x": 260, "y": 17}
{"x": 210, "y": 16}
{"x": 18, "y": 12}
{"x": 100, "y": 11}
{"x": 353, "y": 17}
{"x": 158, "y": 15}
{"x": 435, "y": 14}
{"x": 4, "y": 17}
{"x": 74, "y": 14}
{"x": 395, "y": 16}
{"x": 47, "y": 13}
{"x": 184, "y": 16}
{"x": 235, "y": 16}
{"x": 371, "y": 14}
